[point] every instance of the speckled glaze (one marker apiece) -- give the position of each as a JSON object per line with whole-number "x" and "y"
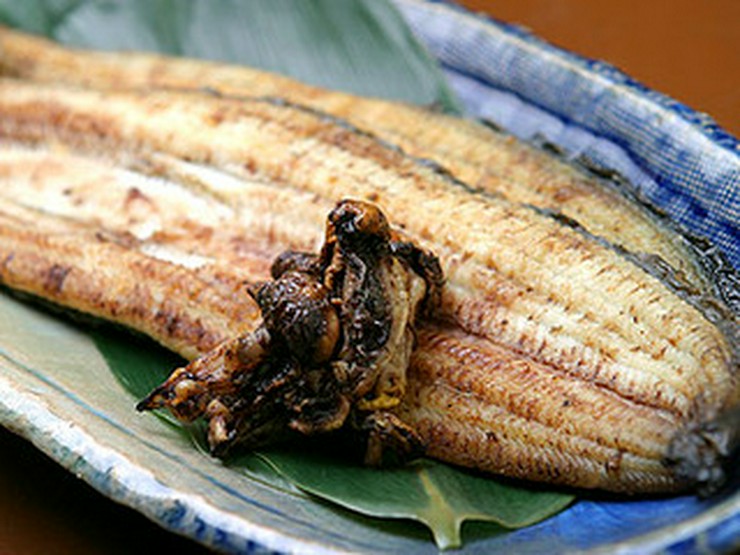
{"x": 57, "y": 391}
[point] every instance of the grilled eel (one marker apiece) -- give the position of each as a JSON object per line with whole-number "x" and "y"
{"x": 552, "y": 355}
{"x": 486, "y": 159}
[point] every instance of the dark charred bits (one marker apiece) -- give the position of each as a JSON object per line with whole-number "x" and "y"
{"x": 332, "y": 349}
{"x": 55, "y": 277}
{"x": 296, "y": 309}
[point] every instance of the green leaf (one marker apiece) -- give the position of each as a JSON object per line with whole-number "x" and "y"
{"x": 359, "y": 46}
{"x": 137, "y": 362}
{"x": 37, "y": 16}
{"x": 440, "y": 496}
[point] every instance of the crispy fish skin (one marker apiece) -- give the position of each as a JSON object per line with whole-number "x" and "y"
{"x": 515, "y": 275}
{"x": 621, "y": 465}
{"x": 476, "y": 154}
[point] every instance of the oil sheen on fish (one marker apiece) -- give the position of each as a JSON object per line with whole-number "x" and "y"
{"x": 485, "y": 159}
{"x": 553, "y": 358}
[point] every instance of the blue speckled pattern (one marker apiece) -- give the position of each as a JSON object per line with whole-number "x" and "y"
{"x": 679, "y": 159}
{"x": 64, "y": 400}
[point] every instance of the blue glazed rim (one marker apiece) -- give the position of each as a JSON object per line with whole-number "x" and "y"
{"x": 689, "y": 166}
{"x": 703, "y": 121}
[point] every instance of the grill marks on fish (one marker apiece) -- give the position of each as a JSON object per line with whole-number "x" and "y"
{"x": 474, "y": 398}
{"x": 556, "y": 307}
{"x": 71, "y": 247}
{"x": 296, "y": 149}
{"x": 488, "y": 160}
{"x": 513, "y": 391}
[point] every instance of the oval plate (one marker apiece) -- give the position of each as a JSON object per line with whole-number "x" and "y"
{"x": 57, "y": 390}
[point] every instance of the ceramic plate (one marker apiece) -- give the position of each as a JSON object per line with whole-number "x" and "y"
{"x": 57, "y": 390}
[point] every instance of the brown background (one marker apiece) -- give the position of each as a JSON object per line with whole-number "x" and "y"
{"x": 688, "y": 49}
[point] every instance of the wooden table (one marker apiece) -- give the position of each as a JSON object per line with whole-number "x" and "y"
{"x": 687, "y": 49}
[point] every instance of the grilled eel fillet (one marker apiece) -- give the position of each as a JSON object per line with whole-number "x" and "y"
{"x": 485, "y": 159}
{"x": 472, "y": 401}
{"x": 554, "y": 358}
